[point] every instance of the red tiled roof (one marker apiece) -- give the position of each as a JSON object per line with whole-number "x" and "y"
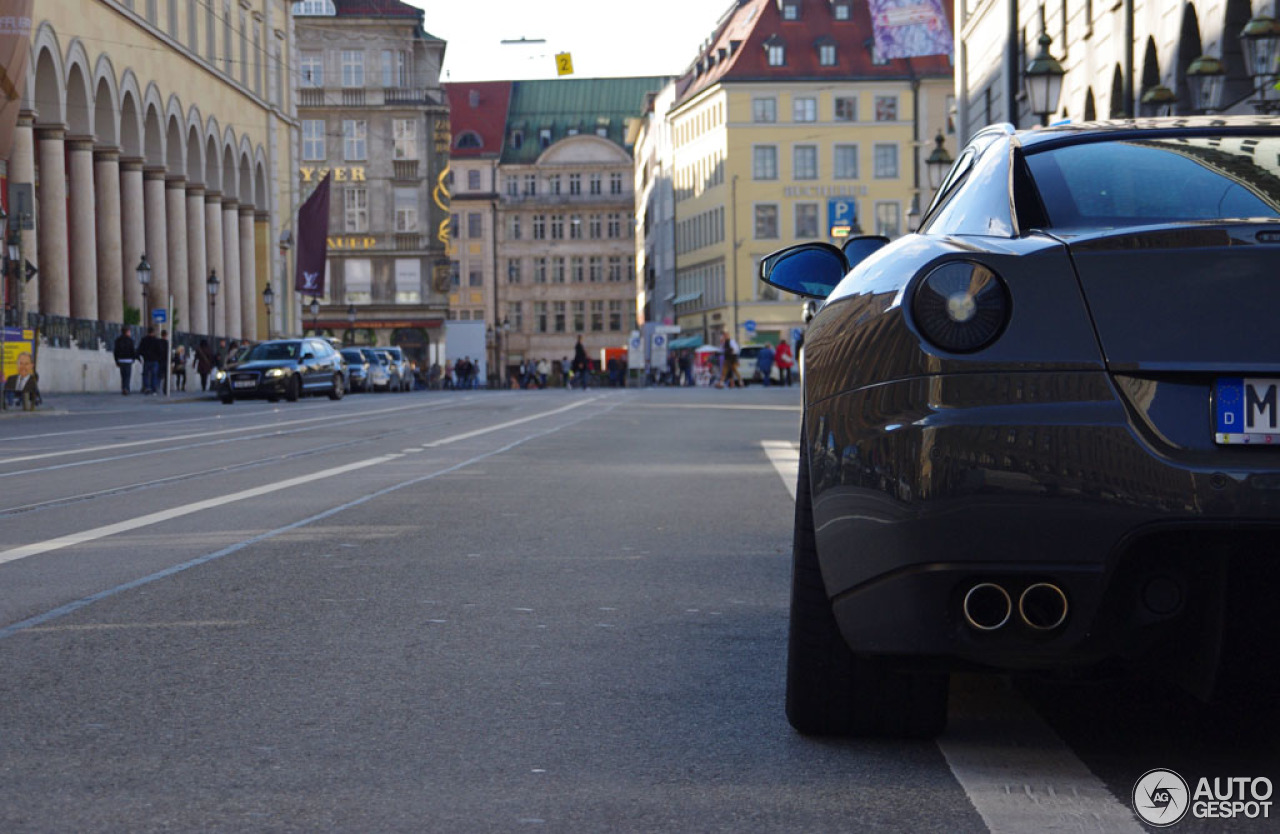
{"x": 736, "y": 50}
{"x": 479, "y": 107}
{"x": 375, "y": 8}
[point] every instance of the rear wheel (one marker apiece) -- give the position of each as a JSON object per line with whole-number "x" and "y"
{"x": 338, "y": 388}
{"x": 830, "y": 690}
{"x": 293, "y": 390}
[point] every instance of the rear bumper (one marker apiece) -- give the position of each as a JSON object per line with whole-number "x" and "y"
{"x": 924, "y": 488}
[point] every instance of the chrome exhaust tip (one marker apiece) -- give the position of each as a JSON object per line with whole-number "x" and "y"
{"x": 987, "y": 607}
{"x": 1043, "y": 606}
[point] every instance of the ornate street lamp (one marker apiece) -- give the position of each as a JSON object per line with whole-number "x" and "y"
{"x": 1260, "y": 40}
{"x": 938, "y": 162}
{"x": 1159, "y": 100}
{"x": 143, "y": 269}
{"x": 1043, "y": 77}
{"x": 1206, "y": 79}
{"x": 351, "y": 325}
{"x": 268, "y": 300}
{"x": 211, "y": 284}
{"x": 315, "y": 316}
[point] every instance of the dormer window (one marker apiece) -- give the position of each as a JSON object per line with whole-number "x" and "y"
{"x": 775, "y": 51}
{"x": 790, "y": 9}
{"x": 841, "y": 9}
{"x": 473, "y": 98}
{"x": 317, "y": 8}
{"x": 544, "y": 138}
{"x": 469, "y": 139}
{"x": 826, "y": 46}
{"x": 517, "y": 139}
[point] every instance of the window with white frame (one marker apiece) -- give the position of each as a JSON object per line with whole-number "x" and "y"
{"x": 575, "y": 227}
{"x": 557, "y": 270}
{"x": 557, "y": 227}
{"x": 615, "y": 183}
{"x": 594, "y": 227}
{"x": 313, "y": 140}
{"x": 804, "y": 162}
{"x": 776, "y": 55}
{"x": 406, "y": 202}
{"x": 575, "y": 184}
{"x": 355, "y": 134}
{"x": 846, "y": 162}
{"x": 806, "y": 220}
{"x": 352, "y": 68}
{"x": 408, "y": 281}
{"x": 613, "y": 225}
{"x": 540, "y": 270}
{"x": 846, "y": 108}
{"x": 513, "y": 270}
{"x": 539, "y": 227}
{"x": 616, "y": 275}
{"x": 764, "y": 162}
{"x": 475, "y": 278}
{"x": 404, "y": 133}
{"x": 515, "y": 315}
{"x": 317, "y": 8}
{"x": 357, "y": 281}
{"x": 530, "y": 184}
{"x": 595, "y": 269}
{"x": 827, "y": 54}
{"x": 764, "y": 110}
{"x": 597, "y": 316}
{"x": 886, "y": 161}
{"x": 395, "y": 64}
{"x": 766, "y": 221}
{"x": 595, "y": 181}
{"x": 804, "y": 109}
{"x": 886, "y": 108}
{"x": 888, "y": 219}
{"x": 558, "y": 310}
{"x": 475, "y": 225}
{"x": 540, "y": 316}
{"x": 473, "y": 180}
{"x": 615, "y": 315}
{"x": 312, "y": 66}
{"x": 355, "y": 209}
{"x": 512, "y": 186}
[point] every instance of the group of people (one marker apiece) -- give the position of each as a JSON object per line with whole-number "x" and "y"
{"x": 730, "y": 356}
{"x": 153, "y": 352}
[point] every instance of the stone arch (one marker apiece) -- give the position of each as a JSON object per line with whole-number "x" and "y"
{"x": 80, "y": 99}
{"x": 153, "y": 126}
{"x": 195, "y": 148}
{"x": 584, "y": 148}
{"x": 1090, "y": 109}
{"x": 1150, "y": 65}
{"x": 49, "y": 88}
{"x": 1119, "y": 109}
{"x": 230, "y": 176}
{"x": 260, "y": 199}
{"x": 1238, "y": 84}
{"x": 177, "y": 148}
{"x": 1189, "y": 48}
{"x": 130, "y": 116}
{"x": 106, "y": 103}
{"x": 212, "y": 159}
{"x": 245, "y": 189}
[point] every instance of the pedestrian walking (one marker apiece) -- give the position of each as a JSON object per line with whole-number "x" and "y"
{"x": 783, "y": 359}
{"x": 205, "y": 363}
{"x": 764, "y": 363}
{"x": 729, "y": 376}
{"x": 566, "y": 370}
{"x": 179, "y": 369}
{"x": 581, "y": 364}
{"x": 544, "y": 370}
{"x": 686, "y": 368}
{"x": 153, "y": 355}
{"x": 125, "y": 354}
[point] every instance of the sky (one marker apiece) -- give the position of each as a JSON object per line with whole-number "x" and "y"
{"x": 605, "y": 38}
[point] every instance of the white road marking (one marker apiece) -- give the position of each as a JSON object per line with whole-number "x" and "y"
{"x": 61, "y": 542}
{"x": 445, "y": 441}
{"x": 725, "y": 406}
{"x": 1019, "y": 775}
{"x": 115, "y": 626}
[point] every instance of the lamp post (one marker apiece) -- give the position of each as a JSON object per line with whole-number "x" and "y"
{"x": 143, "y": 269}
{"x": 1260, "y": 40}
{"x": 1159, "y": 100}
{"x": 351, "y": 324}
{"x": 502, "y": 346}
{"x": 1206, "y": 79}
{"x": 268, "y": 300}
{"x": 211, "y": 284}
{"x": 938, "y": 162}
{"x": 315, "y": 316}
{"x": 1043, "y": 77}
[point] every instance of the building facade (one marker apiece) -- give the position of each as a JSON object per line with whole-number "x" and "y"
{"x": 372, "y": 114}
{"x": 789, "y": 128}
{"x": 1113, "y": 54}
{"x": 655, "y": 213}
{"x": 156, "y": 129}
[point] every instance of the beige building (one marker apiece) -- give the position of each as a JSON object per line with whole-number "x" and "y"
{"x": 156, "y": 128}
{"x": 372, "y": 113}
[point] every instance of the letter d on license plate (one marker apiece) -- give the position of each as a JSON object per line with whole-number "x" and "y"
{"x": 1247, "y": 410}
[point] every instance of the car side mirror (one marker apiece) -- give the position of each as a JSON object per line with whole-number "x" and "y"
{"x": 857, "y": 249}
{"x": 811, "y": 270}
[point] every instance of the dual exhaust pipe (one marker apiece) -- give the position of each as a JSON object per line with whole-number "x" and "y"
{"x": 988, "y": 606}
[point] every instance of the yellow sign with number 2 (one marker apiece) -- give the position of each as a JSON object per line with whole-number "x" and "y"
{"x": 564, "y": 63}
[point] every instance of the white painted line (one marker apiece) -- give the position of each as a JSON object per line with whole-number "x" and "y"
{"x": 177, "y": 512}
{"x": 725, "y": 406}
{"x": 1018, "y": 773}
{"x": 445, "y": 441}
{"x": 785, "y": 457}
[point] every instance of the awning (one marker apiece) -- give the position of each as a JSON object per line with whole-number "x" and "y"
{"x": 692, "y": 296}
{"x": 685, "y": 342}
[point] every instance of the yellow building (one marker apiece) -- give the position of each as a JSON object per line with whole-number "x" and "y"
{"x": 787, "y": 128}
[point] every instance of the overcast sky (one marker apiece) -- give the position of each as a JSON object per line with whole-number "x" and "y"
{"x": 604, "y": 38}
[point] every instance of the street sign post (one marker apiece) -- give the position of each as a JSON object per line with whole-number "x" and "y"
{"x": 750, "y": 326}
{"x": 159, "y": 316}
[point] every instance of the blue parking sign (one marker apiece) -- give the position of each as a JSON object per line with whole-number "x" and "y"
{"x": 842, "y": 215}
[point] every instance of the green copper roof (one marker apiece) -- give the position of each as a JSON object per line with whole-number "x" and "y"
{"x": 581, "y": 104}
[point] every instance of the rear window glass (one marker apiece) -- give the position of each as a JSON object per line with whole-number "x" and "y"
{"x": 273, "y": 351}
{"x": 1112, "y": 184}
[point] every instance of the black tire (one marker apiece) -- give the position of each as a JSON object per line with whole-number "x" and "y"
{"x": 338, "y": 388}
{"x": 227, "y": 399}
{"x": 830, "y": 690}
{"x": 293, "y": 389}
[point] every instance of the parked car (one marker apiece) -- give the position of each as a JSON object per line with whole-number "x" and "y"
{"x": 357, "y": 369}
{"x": 401, "y": 373}
{"x": 1039, "y": 435}
{"x": 749, "y": 368}
{"x": 379, "y": 372}
{"x": 286, "y": 368}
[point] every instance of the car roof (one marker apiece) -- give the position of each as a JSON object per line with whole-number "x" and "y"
{"x": 1068, "y": 133}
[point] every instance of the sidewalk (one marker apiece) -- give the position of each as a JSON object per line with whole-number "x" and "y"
{"x": 87, "y": 403}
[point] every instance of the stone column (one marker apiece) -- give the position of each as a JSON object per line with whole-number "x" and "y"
{"x": 249, "y": 300}
{"x": 231, "y": 263}
{"x": 176, "y": 221}
{"x": 106, "y": 193}
{"x": 213, "y": 255}
{"x": 157, "y": 239}
{"x": 197, "y": 265}
{"x": 133, "y": 231}
{"x": 263, "y": 266}
{"x": 51, "y": 226}
{"x": 22, "y": 169}
{"x": 80, "y": 210}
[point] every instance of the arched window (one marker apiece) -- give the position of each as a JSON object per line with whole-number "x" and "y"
{"x": 469, "y": 139}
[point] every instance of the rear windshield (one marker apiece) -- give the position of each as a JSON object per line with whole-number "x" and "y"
{"x": 273, "y": 351}
{"x": 1140, "y": 182}
{"x": 353, "y": 355}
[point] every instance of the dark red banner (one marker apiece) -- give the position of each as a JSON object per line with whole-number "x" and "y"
{"x": 313, "y": 231}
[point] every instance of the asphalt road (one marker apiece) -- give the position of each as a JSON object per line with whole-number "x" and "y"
{"x": 474, "y": 611}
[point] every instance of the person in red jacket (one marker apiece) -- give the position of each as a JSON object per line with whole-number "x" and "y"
{"x": 783, "y": 359}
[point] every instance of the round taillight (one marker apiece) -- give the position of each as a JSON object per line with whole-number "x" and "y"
{"x": 961, "y": 306}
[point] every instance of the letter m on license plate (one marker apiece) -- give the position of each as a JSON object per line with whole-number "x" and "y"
{"x": 1247, "y": 410}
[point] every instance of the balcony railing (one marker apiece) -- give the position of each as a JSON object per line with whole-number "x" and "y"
{"x": 405, "y": 169}
{"x": 407, "y": 241}
{"x": 362, "y": 97}
{"x": 353, "y": 98}
{"x": 311, "y": 97}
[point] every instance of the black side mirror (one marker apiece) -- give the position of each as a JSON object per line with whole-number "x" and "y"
{"x": 856, "y": 249}
{"x": 811, "y": 270}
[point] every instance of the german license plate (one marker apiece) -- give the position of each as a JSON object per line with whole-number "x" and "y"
{"x": 1247, "y": 410}
{"x": 244, "y": 383}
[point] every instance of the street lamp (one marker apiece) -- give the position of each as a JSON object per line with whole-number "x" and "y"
{"x": 269, "y": 300}
{"x": 351, "y": 323}
{"x": 144, "y": 278}
{"x": 211, "y": 284}
{"x": 1159, "y": 100}
{"x": 938, "y": 162}
{"x": 315, "y": 316}
{"x": 1260, "y": 40}
{"x": 1043, "y": 77}
{"x": 1206, "y": 79}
